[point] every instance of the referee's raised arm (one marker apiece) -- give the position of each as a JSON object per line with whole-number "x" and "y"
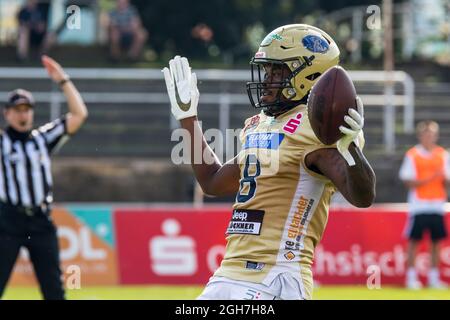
{"x": 77, "y": 109}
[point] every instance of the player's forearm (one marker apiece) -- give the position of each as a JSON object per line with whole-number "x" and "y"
{"x": 420, "y": 182}
{"x": 361, "y": 180}
{"x": 413, "y": 183}
{"x": 75, "y": 103}
{"x": 204, "y": 161}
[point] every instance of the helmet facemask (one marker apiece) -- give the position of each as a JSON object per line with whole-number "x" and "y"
{"x": 269, "y": 75}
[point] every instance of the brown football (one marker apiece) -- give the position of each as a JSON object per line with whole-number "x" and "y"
{"x": 328, "y": 103}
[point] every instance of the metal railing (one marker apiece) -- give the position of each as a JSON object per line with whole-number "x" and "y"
{"x": 224, "y": 99}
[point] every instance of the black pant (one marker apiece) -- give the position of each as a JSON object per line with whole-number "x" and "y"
{"x": 34, "y": 230}
{"x": 423, "y": 222}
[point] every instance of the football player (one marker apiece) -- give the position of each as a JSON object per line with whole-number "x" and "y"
{"x": 284, "y": 176}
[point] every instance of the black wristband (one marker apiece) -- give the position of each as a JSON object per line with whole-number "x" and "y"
{"x": 63, "y": 82}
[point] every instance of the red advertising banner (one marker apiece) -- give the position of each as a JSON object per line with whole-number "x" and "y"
{"x": 356, "y": 240}
{"x": 175, "y": 246}
{"x": 185, "y": 246}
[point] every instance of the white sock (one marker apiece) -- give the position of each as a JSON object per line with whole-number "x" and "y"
{"x": 433, "y": 275}
{"x": 411, "y": 274}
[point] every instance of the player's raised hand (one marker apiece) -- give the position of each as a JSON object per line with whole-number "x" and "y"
{"x": 55, "y": 71}
{"x": 182, "y": 88}
{"x": 355, "y": 121}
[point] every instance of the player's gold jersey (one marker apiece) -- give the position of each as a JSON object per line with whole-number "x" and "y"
{"x": 281, "y": 209}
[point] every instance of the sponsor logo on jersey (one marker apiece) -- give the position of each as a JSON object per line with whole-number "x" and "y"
{"x": 293, "y": 123}
{"x": 246, "y": 222}
{"x": 240, "y": 215}
{"x": 297, "y": 224}
{"x": 290, "y": 255}
{"x": 254, "y": 265}
{"x": 254, "y": 121}
{"x": 267, "y": 140}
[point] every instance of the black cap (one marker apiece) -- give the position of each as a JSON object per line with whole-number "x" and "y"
{"x": 20, "y": 97}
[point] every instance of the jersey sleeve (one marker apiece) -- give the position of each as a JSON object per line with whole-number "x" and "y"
{"x": 447, "y": 165}
{"x": 311, "y": 149}
{"x": 242, "y": 133}
{"x": 248, "y": 124}
{"x": 55, "y": 133}
{"x": 407, "y": 169}
{"x": 312, "y": 143}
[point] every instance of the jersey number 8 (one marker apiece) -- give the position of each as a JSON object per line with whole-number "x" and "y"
{"x": 252, "y": 170}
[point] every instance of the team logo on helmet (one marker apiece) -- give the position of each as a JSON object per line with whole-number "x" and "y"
{"x": 270, "y": 37}
{"x": 315, "y": 44}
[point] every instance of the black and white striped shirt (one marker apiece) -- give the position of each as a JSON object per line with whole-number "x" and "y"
{"x": 25, "y": 171}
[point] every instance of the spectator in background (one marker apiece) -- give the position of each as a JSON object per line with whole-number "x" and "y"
{"x": 202, "y": 32}
{"x": 425, "y": 171}
{"x": 126, "y": 31}
{"x": 32, "y": 29}
{"x": 203, "y": 37}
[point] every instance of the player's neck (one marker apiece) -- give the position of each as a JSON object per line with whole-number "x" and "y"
{"x": 429, "y": 147}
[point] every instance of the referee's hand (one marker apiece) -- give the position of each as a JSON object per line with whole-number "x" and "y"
{"x": 55, "y": 71}
{"x": 182, "y": 88}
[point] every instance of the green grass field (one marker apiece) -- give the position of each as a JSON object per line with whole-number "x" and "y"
{"x": 191, "y": 292}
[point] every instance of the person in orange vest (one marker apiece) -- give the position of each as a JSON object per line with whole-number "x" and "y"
{"x": 426, "y": 171}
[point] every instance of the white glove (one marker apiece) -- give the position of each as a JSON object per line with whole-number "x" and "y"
{"x": 355, "y": 120}
{"x": 182, "y": 88}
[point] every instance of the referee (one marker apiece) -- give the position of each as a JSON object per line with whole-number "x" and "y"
{"x": 26, "y": 182}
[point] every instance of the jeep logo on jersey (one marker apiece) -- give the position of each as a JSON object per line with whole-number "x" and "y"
{"x": 246, "y": 222}
{"x": 240, "y": 215}
{"x": 315, "y": 44}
